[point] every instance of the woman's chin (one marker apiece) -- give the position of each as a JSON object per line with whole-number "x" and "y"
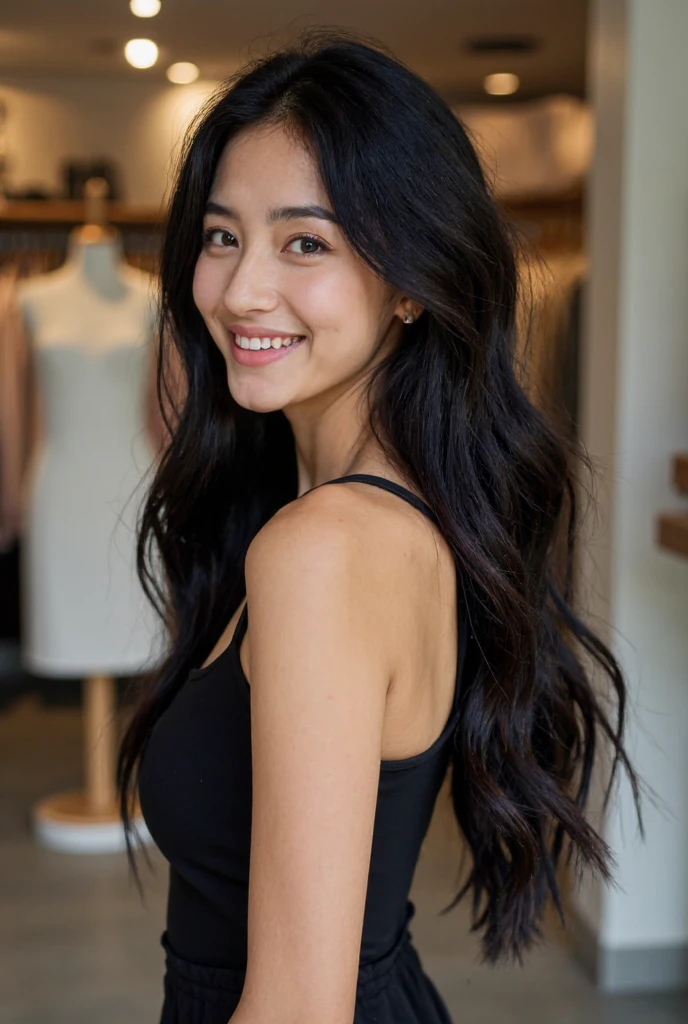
{"x": 257, "y": 399}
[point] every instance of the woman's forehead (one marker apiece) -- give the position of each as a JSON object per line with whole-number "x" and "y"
{"x": 270, "y": 159}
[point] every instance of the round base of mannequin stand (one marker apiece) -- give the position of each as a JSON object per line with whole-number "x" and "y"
{"x": 66, "y": 822}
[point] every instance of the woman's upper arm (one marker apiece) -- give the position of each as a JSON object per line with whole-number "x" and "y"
{"x": 318, "y": 689}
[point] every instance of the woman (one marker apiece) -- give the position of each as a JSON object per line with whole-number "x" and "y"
{"x": 340, "y": 290}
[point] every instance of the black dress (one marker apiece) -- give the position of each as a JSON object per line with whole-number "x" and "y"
{"x": 195, "y": 789}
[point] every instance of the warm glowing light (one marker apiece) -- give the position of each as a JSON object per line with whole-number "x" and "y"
{"x": 183, "y": 73}
{"x": 503, "y": 84}
{"x": 141, "y": 53}
{"x": 145, "y": 8}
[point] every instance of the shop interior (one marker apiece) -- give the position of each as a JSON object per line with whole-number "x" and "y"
{"x": 563, "y": 102}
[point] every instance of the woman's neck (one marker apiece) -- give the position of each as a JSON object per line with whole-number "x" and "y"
{"x": 332, "y": 433}
{"x": 334, "y": 444}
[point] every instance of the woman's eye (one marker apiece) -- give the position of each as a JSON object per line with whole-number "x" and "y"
{"x": 218, "y": 237}
{"x": 308, "y": 246}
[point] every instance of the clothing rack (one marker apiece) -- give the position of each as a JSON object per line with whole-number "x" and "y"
{"x": 34, "y": 234}
{"x": 551, "y": 228}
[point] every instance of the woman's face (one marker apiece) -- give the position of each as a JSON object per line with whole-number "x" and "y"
{"x": 276, "y": 266}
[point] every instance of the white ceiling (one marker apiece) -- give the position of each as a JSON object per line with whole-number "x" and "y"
{"x": 86, "y": 37}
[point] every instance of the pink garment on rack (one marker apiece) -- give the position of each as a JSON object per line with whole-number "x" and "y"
{"x": 21, "y": 422}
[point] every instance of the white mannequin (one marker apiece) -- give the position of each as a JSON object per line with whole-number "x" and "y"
{"x": 90, "y": 325}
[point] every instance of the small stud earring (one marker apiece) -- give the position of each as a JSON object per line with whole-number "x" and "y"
{"x": 408, "y": 318}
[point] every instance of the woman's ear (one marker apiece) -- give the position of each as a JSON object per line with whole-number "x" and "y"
{"x": 408, "y": 311}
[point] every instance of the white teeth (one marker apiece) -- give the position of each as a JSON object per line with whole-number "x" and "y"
{"x": 260, "y": 343}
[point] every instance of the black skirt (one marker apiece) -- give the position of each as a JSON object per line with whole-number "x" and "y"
{"x": 392, "y": 990}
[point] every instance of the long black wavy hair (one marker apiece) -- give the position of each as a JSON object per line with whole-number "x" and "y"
{"x": 450, "y": 413}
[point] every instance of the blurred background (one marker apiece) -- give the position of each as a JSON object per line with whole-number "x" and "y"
{"x": 577, "y": 109}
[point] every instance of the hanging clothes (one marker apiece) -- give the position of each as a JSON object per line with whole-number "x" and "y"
{"x": 19, "y": 408}
{"x": 549, "y": 331}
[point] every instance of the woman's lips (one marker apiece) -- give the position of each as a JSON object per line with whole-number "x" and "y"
{"x": 261, "y": 356}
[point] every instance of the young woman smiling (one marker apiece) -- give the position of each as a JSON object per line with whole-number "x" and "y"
{"x": 358, "y": 517}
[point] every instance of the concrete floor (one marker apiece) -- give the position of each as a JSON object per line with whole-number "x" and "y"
{"x": 77, "y": 946}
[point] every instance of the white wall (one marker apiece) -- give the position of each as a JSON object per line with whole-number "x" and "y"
{"x": 138, "y": 124}
{"x": 635, "y": 417}
{"x": 537, "y": 146}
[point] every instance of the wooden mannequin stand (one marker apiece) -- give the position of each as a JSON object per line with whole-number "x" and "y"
{"x": 88, "y": 821}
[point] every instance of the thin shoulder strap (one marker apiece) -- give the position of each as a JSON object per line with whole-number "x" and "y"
{"x": 386, "y": 485}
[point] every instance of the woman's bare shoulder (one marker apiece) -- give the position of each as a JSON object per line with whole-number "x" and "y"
{"x": 310, "y": 534}
{"x": 367, "y": 526}
{"x": 353, "y": 545}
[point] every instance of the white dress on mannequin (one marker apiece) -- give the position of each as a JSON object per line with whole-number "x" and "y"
{"x": 90, "y": 325}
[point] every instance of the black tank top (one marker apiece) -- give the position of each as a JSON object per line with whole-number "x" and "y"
{"x": 195, "y": 788}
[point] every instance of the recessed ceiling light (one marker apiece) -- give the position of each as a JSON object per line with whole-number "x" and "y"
{"x": 145, "y": 8}
{"x": 502, "y": 84}
{"x": 141, "y": 53}
{"x": 183, "y": 72}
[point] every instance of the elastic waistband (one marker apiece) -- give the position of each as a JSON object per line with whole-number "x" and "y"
{"x": 212, "y": 983}
{"x": 200, "y": 980}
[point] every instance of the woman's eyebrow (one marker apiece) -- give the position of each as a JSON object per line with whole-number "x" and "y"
{"x": 278, "y": 214}
{"x": 295, "y": 212}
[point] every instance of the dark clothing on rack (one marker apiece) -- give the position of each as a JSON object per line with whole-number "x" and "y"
{"x": 195, "y": 789}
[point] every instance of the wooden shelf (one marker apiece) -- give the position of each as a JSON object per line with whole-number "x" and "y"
{"x": 681, "y": 472}
{"x": 551, "y": 223}
{"x": 73, "y": 211}
{"x": 672, "y": 533}
{"x": 672, "y": 527}
{"x": 569, "y": 202}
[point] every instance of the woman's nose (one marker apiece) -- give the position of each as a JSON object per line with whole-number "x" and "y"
{"x": 252, "y": 285}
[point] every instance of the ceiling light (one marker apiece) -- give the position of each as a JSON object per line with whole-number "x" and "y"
{"x": 503, "y": 84}
{"x": 183, "y": 73}
{"x": 141, "y": 53}
{"x": 145, "y": 8}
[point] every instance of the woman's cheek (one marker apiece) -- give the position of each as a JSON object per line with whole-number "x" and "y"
{"x": 205, "y": 288}
{"x": 326, "y": 300}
